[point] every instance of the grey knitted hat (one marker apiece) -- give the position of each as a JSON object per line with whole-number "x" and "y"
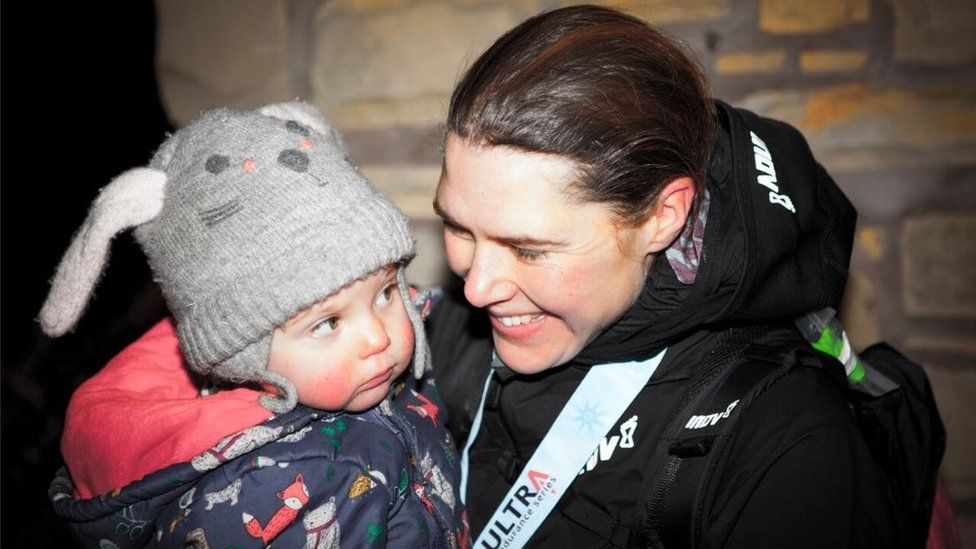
{"x": 247, "y": 218}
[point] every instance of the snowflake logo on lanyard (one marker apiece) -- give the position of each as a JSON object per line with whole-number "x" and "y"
{"x": 587, "y": 416}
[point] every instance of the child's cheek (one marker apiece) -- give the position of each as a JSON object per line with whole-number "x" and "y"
{"x": 327, "y": 393}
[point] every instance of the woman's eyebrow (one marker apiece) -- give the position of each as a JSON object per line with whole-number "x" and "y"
{"x": 517, "y": 241}
{"x": 445, "y": 217}
{"x": 439, "y": 212}
{"x": 523, "y": 241}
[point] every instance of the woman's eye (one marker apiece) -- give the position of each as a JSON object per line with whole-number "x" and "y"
{"x": 325, "y": 326}
{"x": 386, "y": 294}
{"x": 529, "y": 255}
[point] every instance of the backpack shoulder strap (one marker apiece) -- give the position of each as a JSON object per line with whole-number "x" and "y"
{"x": 703, "y": 423}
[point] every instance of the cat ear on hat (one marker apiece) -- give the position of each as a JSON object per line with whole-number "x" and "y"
{"x": 131, "y": 199}
{"x": 303, "y": 114}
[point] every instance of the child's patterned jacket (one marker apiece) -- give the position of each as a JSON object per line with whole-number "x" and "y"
{"x": 307, "y": 478}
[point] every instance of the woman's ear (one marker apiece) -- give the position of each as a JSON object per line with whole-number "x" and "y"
{"x": 669, "y": 214}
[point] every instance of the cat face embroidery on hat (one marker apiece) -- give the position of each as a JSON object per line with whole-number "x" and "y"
{"x": 294, "y": 159}
{"x": 232, "y": 172}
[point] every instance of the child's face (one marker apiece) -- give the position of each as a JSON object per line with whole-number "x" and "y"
{"x": 343, "y": 353}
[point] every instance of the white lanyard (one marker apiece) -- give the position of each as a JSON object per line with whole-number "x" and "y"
{"x": 592, "y": 410}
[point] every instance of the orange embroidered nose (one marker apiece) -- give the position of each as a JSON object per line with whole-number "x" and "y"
{"x": 306, "y": 144}
{"x": 249, "y": 165}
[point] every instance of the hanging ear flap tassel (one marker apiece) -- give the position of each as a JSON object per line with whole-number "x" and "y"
{"x": 131, "y": 199}
{"x": 421, "y": 354}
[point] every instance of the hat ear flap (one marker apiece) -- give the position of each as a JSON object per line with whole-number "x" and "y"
{"x": 131, "y": 199}
{"x": 415, "y": 312}
{"x": 306, "y": 114}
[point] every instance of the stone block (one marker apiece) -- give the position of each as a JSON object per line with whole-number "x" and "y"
{"x": 429, "y": 268}
{"x": 658, "y": 12}
{"x": 833, "y": 60}
{"x": 858, "y": 312}
{"x": 411, "y": 187}
{"x": 802, "y": 17}
{"x": 402, "y": 145}
{"x": 935, "y": 32}
{"x": 954, "y": 389}
{"x": 938, "y": 254}
{"x": 750, "y": 62}
{"x": 366, "y": 5}
{"x": 871, "y": 241}
{"x": 961, "y": 346}
{"x": 417, "y": 111}
{"x": 862, "y": 127}
{"x": 889, "y": 193}
{"x": 398, "y": 66}
{"x": 223, "y": 52}
{"x": 530, "y": 6}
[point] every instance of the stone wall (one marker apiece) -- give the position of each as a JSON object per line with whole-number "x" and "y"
{"x": 885, "y": 91}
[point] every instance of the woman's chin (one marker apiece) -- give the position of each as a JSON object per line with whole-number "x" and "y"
{"x": 543, "y": 342}
{"x": 529, "y": 359}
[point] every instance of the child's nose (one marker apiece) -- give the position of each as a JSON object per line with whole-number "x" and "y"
{"x": 375, "y": 337}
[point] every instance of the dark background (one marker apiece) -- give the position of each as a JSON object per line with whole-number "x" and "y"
{"x": 79, "y": 106}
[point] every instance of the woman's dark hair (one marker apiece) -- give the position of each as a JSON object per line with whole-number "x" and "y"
{"x": 600, "y": 87}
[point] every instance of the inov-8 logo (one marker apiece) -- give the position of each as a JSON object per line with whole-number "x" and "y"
{"x": 700, "y": 422}
{"x": 767, "y": 174}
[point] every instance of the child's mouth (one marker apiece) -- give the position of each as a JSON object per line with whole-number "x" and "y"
{"x": 380, "y": 379}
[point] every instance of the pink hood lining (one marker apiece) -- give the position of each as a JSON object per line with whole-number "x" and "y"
{"x": 142, "y": 412}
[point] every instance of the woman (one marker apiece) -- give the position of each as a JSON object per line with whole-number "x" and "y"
{"x": 603, "y": 213}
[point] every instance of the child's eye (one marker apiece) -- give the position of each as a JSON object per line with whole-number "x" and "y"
{"x": 529, "y": 255}
{"x": 387, "y": 293}
{"x": 325, "y": 326}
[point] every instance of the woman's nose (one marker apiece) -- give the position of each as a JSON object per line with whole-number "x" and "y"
{"x": 375, "y": 337}
{"x": 488, "y": 280}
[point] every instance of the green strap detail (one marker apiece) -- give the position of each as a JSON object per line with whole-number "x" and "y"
{"x": 832, "y": 343}
{"x": 829, "y": 343}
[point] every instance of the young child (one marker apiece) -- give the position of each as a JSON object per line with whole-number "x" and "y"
{"x": 283, "y": 269}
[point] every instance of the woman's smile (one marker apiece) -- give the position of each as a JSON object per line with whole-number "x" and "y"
{"x": 518, "y": 320}
{"x": 518, "y": 327}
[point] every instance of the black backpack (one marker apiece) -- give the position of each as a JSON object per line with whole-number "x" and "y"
{"x": 897, "y": 417}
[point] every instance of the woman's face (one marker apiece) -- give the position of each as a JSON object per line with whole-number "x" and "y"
{"x": 552, "y": 272}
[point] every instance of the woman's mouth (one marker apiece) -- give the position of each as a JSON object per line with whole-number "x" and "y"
{"x": 518, "y": 326}
{"x": 510, "y": 321}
